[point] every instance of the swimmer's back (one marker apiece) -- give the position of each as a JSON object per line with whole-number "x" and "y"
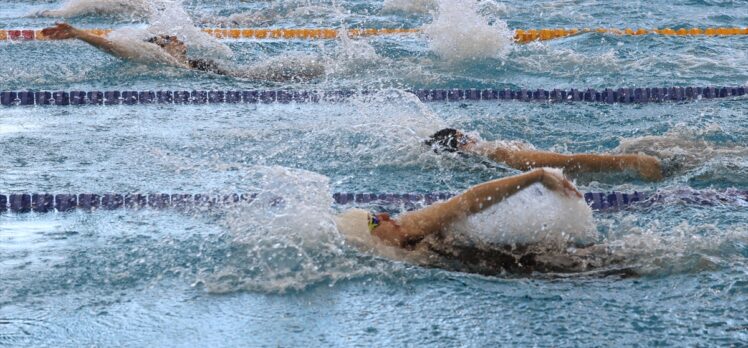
{"x": 518, "y": 259}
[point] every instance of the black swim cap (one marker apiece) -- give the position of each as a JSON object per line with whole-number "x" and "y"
{"x": 445, "y": 140}
{"x": 162, "y": 40}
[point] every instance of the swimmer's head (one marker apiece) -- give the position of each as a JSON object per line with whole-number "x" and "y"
{"x": 356, "y": 227}
{"x": 448, "y": 139}
{"x": 376, "y": 220}
{"x": 358, "y": 224}
{"x": 386, "y": 229}
{"x": 170, "y": 43}
{"x": 163, "y": 40}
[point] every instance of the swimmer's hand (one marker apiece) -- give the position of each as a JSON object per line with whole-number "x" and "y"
{"x": 649, "y": 168}
{"x": 61, "y": 31}
{"x": 554, "y": 180}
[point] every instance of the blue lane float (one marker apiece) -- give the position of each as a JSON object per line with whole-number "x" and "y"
{"x": 599, "y": 201}
{"x": 608, "y": 95}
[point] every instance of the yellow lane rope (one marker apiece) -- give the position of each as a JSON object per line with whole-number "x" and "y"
{"x": 521, "y": 36}
{"x": 524, "y": 36}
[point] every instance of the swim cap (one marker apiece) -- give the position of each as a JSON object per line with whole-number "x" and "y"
{"x": 353, "y": 222}
{"x": 444, "y": 140}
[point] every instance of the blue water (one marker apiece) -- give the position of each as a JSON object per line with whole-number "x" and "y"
{"x": 236, "y": 277}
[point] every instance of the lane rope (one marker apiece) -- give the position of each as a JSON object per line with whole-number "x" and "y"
{"x": 20, "y": 203}
{"x": 607, "y": 95}
{"x": 520, "y": 35}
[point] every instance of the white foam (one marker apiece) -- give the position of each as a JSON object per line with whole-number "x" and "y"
{"x": 132, "y": 45}
{"x": 492, "y": 9}
{"x": 489, "y": 7}
{"x": 171, "y": 18}
{"x": 682, "y": 248}
{"x": 164, "y": 18}
{"x": 275, "y": 13}
{"x": 460, "y": 33}
{"x": 131, "y": 9}
{"x": 350, "y": 57}
{"x": 409, "y": 6}
{"x": 287, "y": 67}
{"x": 534, "y": 216}
{"x": 12, "y": 129}
{"x": 682, "y": 145}
{"x": 294, "y": 200}
{"x": 355, "y": 51}
{"x": 394, "y": 124}
{"x": 286, "y": 238}
{"x": 545, "y": 58}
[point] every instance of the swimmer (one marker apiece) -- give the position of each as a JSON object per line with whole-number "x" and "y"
{"x": 177, "y": 51}
{"x": 430, "y": 229}
{"x": 525, "y": 157}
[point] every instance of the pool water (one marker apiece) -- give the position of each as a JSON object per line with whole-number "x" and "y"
{"x": 257, "y": 275}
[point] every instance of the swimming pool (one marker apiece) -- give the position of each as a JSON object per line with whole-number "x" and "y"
{"x": 237, "y": 277}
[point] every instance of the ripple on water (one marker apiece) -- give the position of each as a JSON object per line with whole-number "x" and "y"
{"x": 15, "y": 332}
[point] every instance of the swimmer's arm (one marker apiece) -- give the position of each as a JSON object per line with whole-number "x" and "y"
{"x": 647, "y": 166}
{"x": 436, "y": 217}
{"x": 63, "y": 31}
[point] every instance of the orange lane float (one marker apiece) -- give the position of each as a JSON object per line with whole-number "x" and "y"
{"x": 520, "y": 35}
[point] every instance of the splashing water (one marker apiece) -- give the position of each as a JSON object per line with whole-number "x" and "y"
{"x": 286, "y": 67}
{"x": 275, "y": 13}
{"x": 297, "y": 201}
{"x": 163, "y": 17}
{"x": 132, "y": 44}
{"x": 127, "y": 9}
{"x": 459, "y": 33}
{"x": 489, "y": 8}
{"x": 350, "y": 56}
{"x": 493, "y": 9}
{"x": 684, "y": 248}
{"x": 284, "y": 239}
{"x": 245, "y": 19}
{"x": 684, "y": 148}
{"x": 543, "y": 58}
{"x": 403, "y": 121}
{"x": 409, "y": 6}
{"x": 289, "y": 238}
{"x": 532, "y": 216}
{"x": 171, "y": 18}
